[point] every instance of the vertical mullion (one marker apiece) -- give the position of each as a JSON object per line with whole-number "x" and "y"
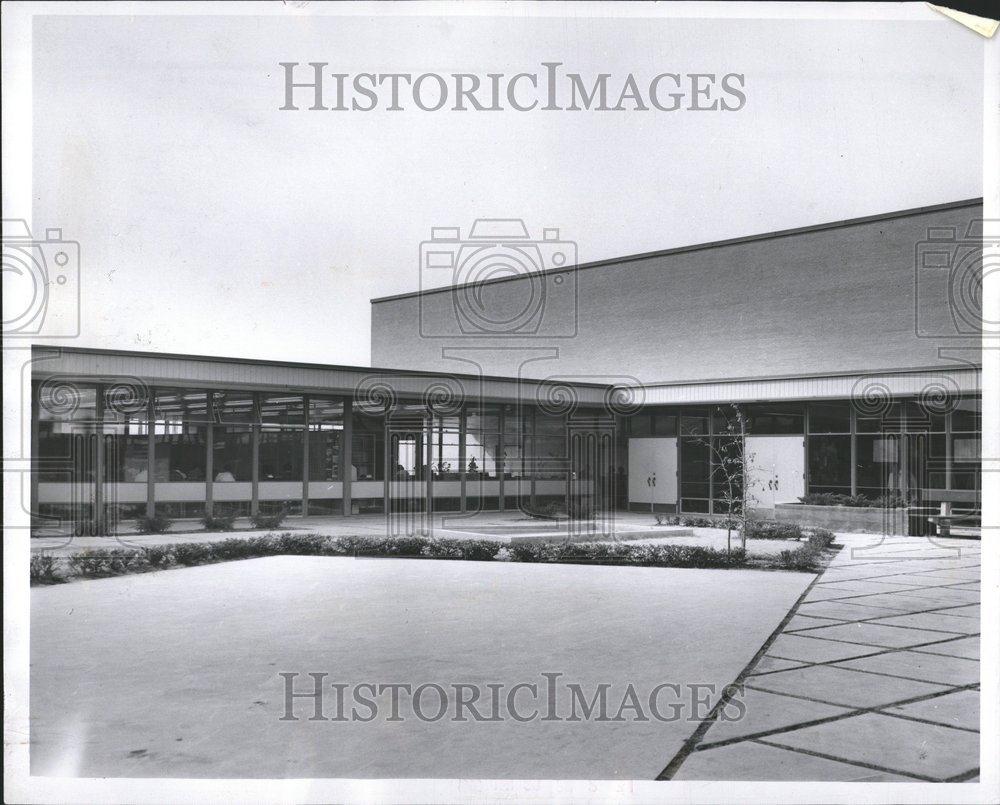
{"x": 949, "y": 456}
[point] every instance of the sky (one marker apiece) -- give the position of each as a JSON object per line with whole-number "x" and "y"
{"x": 211, "y": 222}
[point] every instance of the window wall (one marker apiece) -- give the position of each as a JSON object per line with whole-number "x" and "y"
{"x": 326, "y": 455}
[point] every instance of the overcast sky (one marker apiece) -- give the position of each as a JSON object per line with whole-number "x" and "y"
{"x": 210, "y": 222}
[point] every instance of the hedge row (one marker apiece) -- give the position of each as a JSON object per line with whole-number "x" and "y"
{"x": 756, "y": 529}
{"x": 104, "y": 562}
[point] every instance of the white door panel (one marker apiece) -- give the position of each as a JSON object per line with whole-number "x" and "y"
{"x": 648, "y": 458}
{"x": 778, "y": 469}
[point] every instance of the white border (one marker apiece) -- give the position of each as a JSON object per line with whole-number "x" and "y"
{"x": 16, "y": 122}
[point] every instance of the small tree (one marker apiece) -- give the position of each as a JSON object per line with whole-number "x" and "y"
{"x": 735, "y": 471}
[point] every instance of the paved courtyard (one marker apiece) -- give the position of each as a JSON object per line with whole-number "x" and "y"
{"x": 873, "y": 677}
{"x": 176, "y": 673}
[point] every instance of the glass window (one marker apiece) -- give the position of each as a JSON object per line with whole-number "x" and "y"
{"x": 966, "y": 415}
{"x": 727, "y": 474}
{"x": 694, "y": 425}
{"x": 180, "y": 451}
{"x": 922, "y": 416}
{"x": 126, "y": 451}
{"x": 517, "y": 419}
{"x": 282, "y": 409}
{"x": 888, "y": 419}
{"x": 326, "y": 433}
{"x": 233, "y": 453}
{"x": 830, "y": 417}
{"x": 640, "y": 425}
{"x": 483, "y": 417}
{"x": 280, "y": 453}
{"x": 367, "y": 448}
{"x": 771, "y": 419}
{"x": 966, "y": 471}
{"x": 550, "y": 424}
{"x": 513, "y": 455}
{"x": 406, "y": 455}
{"x": 64, "y": 400}
{"x": 878, "y": 465}
{"x": 66, "y": 452}
{"x": 445, "y": 453}
{"x": 664, "y": 424}
{"x": 482, "y": 452}
{"x": 695, "y": 468}
{"x": 234, "y": 407}
{"x": 181, "y": 405}
{"x": 830, "y": 463}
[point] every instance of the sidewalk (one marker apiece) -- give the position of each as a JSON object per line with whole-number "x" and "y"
{"x": 873, "y": 676}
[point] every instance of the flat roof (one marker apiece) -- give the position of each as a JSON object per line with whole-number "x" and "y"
{"x": 782, "y": 233}
{"x": 127, "y": 353}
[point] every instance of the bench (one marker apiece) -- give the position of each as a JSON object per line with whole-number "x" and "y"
{"x": 946, "y": 497}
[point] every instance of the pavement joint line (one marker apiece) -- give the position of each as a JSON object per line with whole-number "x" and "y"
{"x": 927, "y": 721}
{"x": 883, "y": 673}
{"x": 895, "y": 648}
{"x": 858, "y": 763}
{"x": 811, "y": 663}
{"x": 852, "y": 713}
{"x": 876, "y": 580}
{"x": 874, "y": 707}
{"x": 695, "y": 738}
{"x": 891, "y": 613}
{"x": 874, "y": 622}
{"x": 882, "y": 592}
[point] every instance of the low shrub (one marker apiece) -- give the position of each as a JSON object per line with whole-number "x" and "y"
{"x": 107, "y": 562}
{"x": 193, "y": 553}
{"x": 219, "y": 522}
{"x": 479, "y": 550}
{"x": 158, "y": 524}
{"x": 526, "y": 551}
{"x": 805, "y": 558}
{"x": 160, "y": 556}
{"x": 821, "y": 538}
{"x": 270, "y": 520}
{"x": 298, "y": 544}
{"x": 770, "y": 529}
{"x": 891, "y": 501}
{"x": 44, "y": 569}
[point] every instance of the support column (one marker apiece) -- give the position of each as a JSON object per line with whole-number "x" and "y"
{"x": 210, "y": 455}
{"x": 36, "y": 424}
{"x": 805, "y": 448}
{"x": 949, "y": 458}
{"x": 461, "y": 456}
{"x": 854, "y": 450}
{"x": 255, "y": 457}
{"x": 99, "y": 518}
{"x": 151, "y": 454}
{"x": 428, "y": 458}
{"x": 305, "y": 455}
{"x": 501, "y": 458}
{"x": 347, "y": 457}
